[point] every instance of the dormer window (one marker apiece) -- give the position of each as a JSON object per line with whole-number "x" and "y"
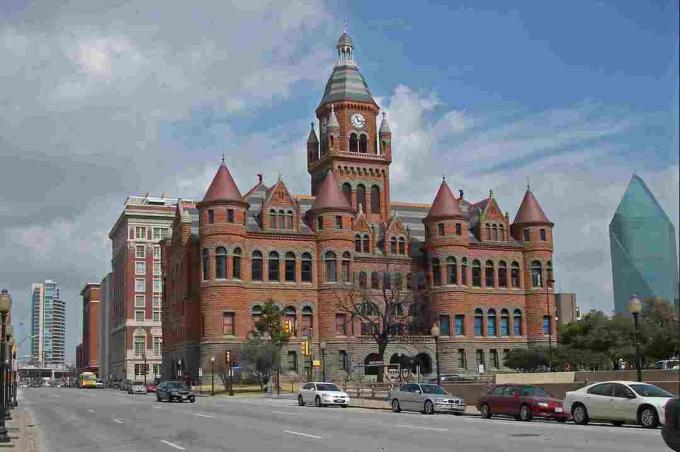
{"x": 211, "y": 216}
{"x": 319, "y": 224}
{"x": 459, "y": 229}
{"x": 526, "y": 235}
{"x": 543, "y": 236}
{"x": 440, "y": 228}
{"x": 338, "y": 222}
{"x": 230, "y": 215}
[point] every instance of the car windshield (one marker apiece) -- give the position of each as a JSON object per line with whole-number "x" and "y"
{"x": 327, "y": 387}
{"x": 433, "y": 389}
{"x": 176, "y": 385}
{"x": 650, "y": 391}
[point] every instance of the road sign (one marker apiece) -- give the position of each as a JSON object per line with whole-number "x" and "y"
{"x": 200, "y": 371}
{"x": 316, "y": 363}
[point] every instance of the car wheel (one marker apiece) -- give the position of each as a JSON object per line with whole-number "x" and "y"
{"x": 525, "y": 413}
{"x": 301, "y": 401}
{"x": 648, "y": 417}
{"x": 429, "y": 407}
{"x": 617, "y": 423}
{"x": 395, "y": 406}
{"x": 192, "y": 400}
{"x": 317, "y": 401}
{"x": 580, "y": 414}
{"x": 486, "y": 411}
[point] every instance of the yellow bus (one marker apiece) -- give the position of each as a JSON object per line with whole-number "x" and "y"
{"x": 87, "y": 380}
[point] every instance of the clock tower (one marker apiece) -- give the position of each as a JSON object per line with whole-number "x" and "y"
{"x": 350, "y": 143}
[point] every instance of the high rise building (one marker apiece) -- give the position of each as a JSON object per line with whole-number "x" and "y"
{"x": 48, "y": 324}
{"x": 566, "y": 308}
{"x": 105, "y": 326}
{"x": 87, "y": 353}
{"x": 643, "y": 248}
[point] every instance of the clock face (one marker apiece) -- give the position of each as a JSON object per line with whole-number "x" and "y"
{"x": 358, "y": 120}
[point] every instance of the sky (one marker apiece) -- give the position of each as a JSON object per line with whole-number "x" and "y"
{"x": 101, "y": 100}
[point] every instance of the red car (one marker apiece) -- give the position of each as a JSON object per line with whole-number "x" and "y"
{"x": 524, "y": 402}
{"x": 151, "y": 387}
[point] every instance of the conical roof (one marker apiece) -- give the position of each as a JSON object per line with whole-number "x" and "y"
{"x": 223, "y": 187}
{"x": 329, "y": 195}
{"x": 312, "y": 139}
{"x": 332, "y": 120}
{"x": 444, "y": 204}
{"x": 530, "y": 211}
{"x": 345, "y": 40}
{"x": 384, "y": 126}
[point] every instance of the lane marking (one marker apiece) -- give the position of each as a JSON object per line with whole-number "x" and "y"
{"x": 118, "y": 421}
{"x": 172, "y": 445}
{"x": 204, "y": 415}
{"x": 155, "y": 407}
{"x": 90, "y": 410}
{"x": 303, "y": 434}
{"x": 422, "y": 428}
{"x": 285, "y": 412}
{"x": 218, "y": 404}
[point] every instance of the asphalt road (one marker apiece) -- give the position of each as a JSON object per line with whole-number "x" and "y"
{"x": 109, "y": 420}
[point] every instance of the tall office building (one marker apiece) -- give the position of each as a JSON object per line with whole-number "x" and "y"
{"x": 643, "y": 250}
{"x": 48, "y": 324}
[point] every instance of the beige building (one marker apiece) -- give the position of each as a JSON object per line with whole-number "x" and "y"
{"x": 566, "y": 307}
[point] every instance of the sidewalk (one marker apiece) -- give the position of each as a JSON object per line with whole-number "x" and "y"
{"x": 22, "y": 431}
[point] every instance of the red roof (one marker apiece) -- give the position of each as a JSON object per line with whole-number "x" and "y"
{"x": 329, "y": 195}
{"x": 445, "y": 204}
{"x": 530, "y": 211}
{"x": 223, "y": 187}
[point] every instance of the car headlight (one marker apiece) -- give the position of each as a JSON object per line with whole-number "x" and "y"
{"x": 174, "y": 393}
{"x": 542, "y": 404}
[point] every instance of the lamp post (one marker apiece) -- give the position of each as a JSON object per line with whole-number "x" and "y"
{"x": 10, "y": 371}
{"x": 322, "y": 345}
{"x": 9, "y": 339}
{"x": 5, "y": 306}
{"x": 13, "y": 386}
{"x": 634, "y": 306}
{"x": 212, "y": 376}
{"x": 179, "y": 369}
{"x": 435, "y": 332}
{"x": 550, "y": 321}
{"x": 144, "y": 368}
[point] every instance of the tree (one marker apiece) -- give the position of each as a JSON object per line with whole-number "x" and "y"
{"x": 658, "y": 330}
{"x": 259, "y": 358}
{"x": 270, "y": 326}
{"x": 526, "y": 359}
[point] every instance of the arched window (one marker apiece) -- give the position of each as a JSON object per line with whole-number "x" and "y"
{"x": 476, "y": 274}
{"x": 488, "y": 231}
{"x": 387, "y": 281}
{"x": 346, "y": 259}
{"x": 436, "y": 273}
{"x": 451, "y": 270}
{"x": 517, "y": 323}
{"x": 502, "y": 274}
{"x": 256, "y": 266}
{"x": 256, "y": 314}
{"x": 206, "y": 265}
{"x": 331, "y": 139}
{"x": 375, "y": 199}
{"x": 290, "y": 269}
{"x": 366, "y": 246}
{"x": 479, "y": 322}
{"x": 362, "y": 280}
{"x": 353, "y": 143}
{"x": 375, "y": 280}
{"x": 273, "y": 264}
{"x": 236, "y": 264}
{"x": 306, "y": 267}
{"x": 514, "y": 275}
{"x": 361, "y": 197}
{"x": 272, "y": 219}
{"x": 357, "y": 243}
{"x": 549, "y": 274}
{"x": 331, "y": 266}
{"x": 505, "y": 323}
{"x": 491, "y": 322}
{"x": 463, "y": 271}
{"x": 282, "y": 220}
{"x": 402, "y": 245}
{"x": 363, "y": 144}
{"x": 409, "y": 281}
{"x": 370, "y": 362}
{"x": 536, "y": 274}
{"x": 495, "y": 232}
{"x": 220, "y": 263}
{"x": 290, "y": 316}
{"x": 307, "y": 321}
{"x": 501, "y": 232}
{"x": 393, "y": 245}
{"x": 489, "y": 281}
{"x": 423, "y": 361}
{"x": 289, "y": 220}
{"x": 383, "y": 144}
{"x": 347, "y": 191}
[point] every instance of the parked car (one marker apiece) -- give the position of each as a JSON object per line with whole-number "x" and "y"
{"x": 322, "y": 394}
{"x": 151, "y": 387}
{"x": 125, "y": 385}
{"x": 428, "y": 398}
{"x": 671, "y": 426}
{"x": 98, "y": 384}
{"x": 619, "y": 402}
{"x": 174, "y": 390}
{"x": 523, "y": 402}
{"x": 137, "y": 388}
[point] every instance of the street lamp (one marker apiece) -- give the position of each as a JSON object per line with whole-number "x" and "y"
{"x": 322, "y": 345}
{"x": 212, "y": 376}
{"x": 5, "y": 306}
{"x": 550, "y": 321}
{"x": 435, "y": 332}
{"x": 179, "y": 369}
{"x": 634, "y": 306}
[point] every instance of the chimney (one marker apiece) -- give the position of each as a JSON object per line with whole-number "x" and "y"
{"x": 259, "y": 178}
{"x": 460, "y": 194}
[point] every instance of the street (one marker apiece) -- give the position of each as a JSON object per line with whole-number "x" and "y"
{"x": 110, "y": 420}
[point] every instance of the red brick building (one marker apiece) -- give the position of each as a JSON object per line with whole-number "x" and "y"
{"x": 87, "y": 353}
{"x": 483, "y": 276}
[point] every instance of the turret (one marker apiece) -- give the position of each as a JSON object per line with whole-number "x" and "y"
{"x": 385, "y": 137}
{"x": 446, "y": 222}
{"x": 312, "y": 146}
{"x": 531, "y": 225}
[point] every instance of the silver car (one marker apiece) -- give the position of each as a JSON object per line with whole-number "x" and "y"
{"x": 137, "y": 388}
{"x": 427, "y": 398}
{"x": 322, "y": 394}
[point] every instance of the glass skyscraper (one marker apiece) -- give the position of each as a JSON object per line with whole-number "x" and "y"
{"x": 48, "y": 324}
{"x": 643, "y": 250}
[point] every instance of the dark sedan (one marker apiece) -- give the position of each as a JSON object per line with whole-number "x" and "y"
{"x": 174, "y": 391}
{"x": 523, "y": 402}
{"x": 671, "y": 426}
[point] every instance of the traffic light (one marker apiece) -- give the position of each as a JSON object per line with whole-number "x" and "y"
{"x": 306, "y": 348}
{"x": 227, "y": 357}
{"x": 288, "y": 326}
{"x": 146, "y": 369}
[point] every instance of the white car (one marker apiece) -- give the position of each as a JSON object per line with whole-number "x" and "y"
{"x": 322, "y": 394}
{"x": 99, "y": 384}
{"x": 137, "y": 388}
{"x": 618, "y": 402}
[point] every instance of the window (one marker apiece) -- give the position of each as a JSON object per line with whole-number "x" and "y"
{"x": 206, "y": 264}
{"x": 489, "y": 280}
{"x": 402, "y": 246}
{"x": 361, "y": 197}
{"x": 357, "y": 243}
{"x": 140, "y": 232}
{"x": 139, "y": 316}
{"x": 362, "y": 280}
{"x": 542, "y": 232}
{"x": 436, "y": 273}
{"x": 494, "y": 358}
{"x": 272, "y": 219}
{"x": 157, "y": 284}
{"x": 230, "y": 215}
{"x": 139, "y": 344}
{"x": 451, "y": 270}
{"x": 491, "y": 322}
{"x": 292, "y": 361}
{"x": 480, "y": 357}
{"x": 347, "y": 191}
{"x": 220, "y": 263}
{"x": 156, "y": 315}
{"x": 341, "y": 324}
{"x": 444, "y": 325}
{"x": 228, "y": 323}
{"x": 375, "y": 199}
{"x": 536, "y": 274}
{"x": 517, "y": 323}
{"x": 501, "y": 232}
{"x": 159, "y": 233}
{"x": 338, "y": 222}
{"x": 353, "y": 143}
{"x": 140, "y": 268}
{"x": 306, "y": 268}
{"x": 156, "y": 370}
{"x": 460, "y": 325}
{"x": 440, "y": 228}
{"x": 211, "y": 216}
{"x": 319, "y": 223}
{"x": 273, "y": 264}
{"x": 462, "y": 361}
{"x": 605, "y": 389}
{"x": 157, "y": 268}
{"x": 546, "y": 325}
{"x": 140, "y": 251}
{"x": 363, "y": 144}
{"x": 488, "y": 231}
{"x": 342, "y": 360}
{"x": 526, "y": 235}
{"x": 156, "y": 302}
{"x": 140, "y": 285}
{"x": 331, "y": 266}
{"x": 459, "y": 229}
{"x": 346, "y": 259}
{"x": 156, "y": 252}
{"x": 409, "y": 281}
{"x": 256, "y": 313}
{"x": 502, "y": 274}
{"x": 369, "y": 329}
{"x": 289, "y": 220}
{"x": 140, "y": 301}
{"x": 375, "y": 281}
{"x": 281, "y": 220}
{"x": 463, "y": 272}
{"x": 307, "y": 321}
{"x": 476, "y": 274}
{"x": 514, "y": 275}
{"x": 479, "y": 322}
{"x": 495, "y": 232}
{"x": 387, "y": 280}
{"x": 236, "y": 264}
{"x": 290, "y": 267}
{"x": 157, "y": 345}
{"x": 256, "y": 266}
{"x": 505, "y": 323}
